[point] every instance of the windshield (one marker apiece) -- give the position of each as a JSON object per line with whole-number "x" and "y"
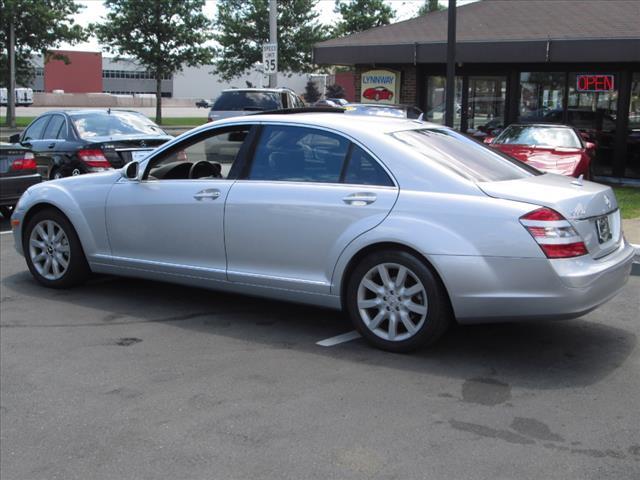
{"x": 108, "y": 124}
{"x": 246, "y": 101}
{"x": 539, "y": 136}
{"x": 464, "y": 156}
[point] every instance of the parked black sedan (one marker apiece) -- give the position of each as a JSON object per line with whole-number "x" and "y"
{"x": 17, "y": 173}
{"x": 73, "y": 142}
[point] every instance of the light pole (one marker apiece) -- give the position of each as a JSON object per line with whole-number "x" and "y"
{"x": 451, "y": 65}
{"x": 273, "y": 36}
{"x": 11, "y": 91}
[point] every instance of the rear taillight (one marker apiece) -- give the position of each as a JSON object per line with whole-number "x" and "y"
{"x": 25, "y": 163}
{"x": 555, "y": 235}
{"x": 94, "y": 158}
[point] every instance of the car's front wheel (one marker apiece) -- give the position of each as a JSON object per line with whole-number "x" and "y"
{"x": 53, "y": 251}
{"x": 396, "y": 302}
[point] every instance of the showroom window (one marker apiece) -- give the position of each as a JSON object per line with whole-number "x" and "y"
{"x": 633, "y": 138}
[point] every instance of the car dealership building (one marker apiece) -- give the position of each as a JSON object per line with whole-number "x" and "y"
{"x": 552, "y": 61}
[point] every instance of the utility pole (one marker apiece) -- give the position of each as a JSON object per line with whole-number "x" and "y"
{"x": 451, "y": 65}
{"x": 11, "y": 91}
{"x": 273, "y": 36}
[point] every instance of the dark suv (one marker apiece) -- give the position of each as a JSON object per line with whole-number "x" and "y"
{"x": 235, "y": 102}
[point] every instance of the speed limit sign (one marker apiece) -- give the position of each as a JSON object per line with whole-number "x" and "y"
{"x": 270, "y": 57}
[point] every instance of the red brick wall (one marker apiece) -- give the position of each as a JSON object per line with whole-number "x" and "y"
{"x": 346, "y": 80}
{"x": 82, "y": 75}
{"x": 408, "y": 81}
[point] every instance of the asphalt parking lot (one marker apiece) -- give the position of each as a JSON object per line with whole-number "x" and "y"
{"x": 132, "y": 379}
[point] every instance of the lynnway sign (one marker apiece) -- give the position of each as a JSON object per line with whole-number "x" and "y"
{"x": 270, "y": 57}
{"x": 380, "y": 86}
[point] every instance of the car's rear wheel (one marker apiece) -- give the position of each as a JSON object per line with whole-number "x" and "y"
{"x": 396, "y": 302}
{"x": 53, "y": 251}
{"x": 55, "y": 174}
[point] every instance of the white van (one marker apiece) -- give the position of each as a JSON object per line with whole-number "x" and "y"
{"x": 23, "y": 96}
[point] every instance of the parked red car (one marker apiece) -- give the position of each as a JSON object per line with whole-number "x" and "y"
{"x": 377, "y": 93}
{"x": 548, "y": 147}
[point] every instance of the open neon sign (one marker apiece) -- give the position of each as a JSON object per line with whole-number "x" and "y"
{"x": 595, "y": 83}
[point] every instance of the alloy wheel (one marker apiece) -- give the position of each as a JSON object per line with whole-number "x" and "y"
{"x": 49, "y": 250}
{"x": 392, "y": 302}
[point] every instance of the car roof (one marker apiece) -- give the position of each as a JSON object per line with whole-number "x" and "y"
{"x": 369, "y": 125}
{"x": 380, "y": 105}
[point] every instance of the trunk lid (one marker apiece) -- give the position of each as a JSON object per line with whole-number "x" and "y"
{"x": 121, "y": 150}
{"x": 584, "y": 204}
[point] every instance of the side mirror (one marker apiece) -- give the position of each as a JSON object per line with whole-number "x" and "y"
{"x": 131, "y": 170}
{"x": 15, "y": 138}
{"x": 590, "y": 145}
{"x": 488, "y": 139}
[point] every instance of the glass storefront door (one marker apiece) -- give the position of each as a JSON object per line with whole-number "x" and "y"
{"x": 541, "y": 97}
{"x": 478, "y": 112}
{"x": 485, "y": 101}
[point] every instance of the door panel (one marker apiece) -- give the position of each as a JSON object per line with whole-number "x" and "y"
{"x": 289, "y": 235}
{"x": 174, "y": 226}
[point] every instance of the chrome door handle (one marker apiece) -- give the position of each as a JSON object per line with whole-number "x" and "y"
{"x": 207, "y": 194}
{"x": 360, "y": 199}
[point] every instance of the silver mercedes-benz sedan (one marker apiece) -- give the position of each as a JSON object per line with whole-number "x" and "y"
{"x": 406, "y": 226}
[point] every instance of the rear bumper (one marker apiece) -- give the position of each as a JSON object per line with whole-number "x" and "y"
{"x": 12, "y": 188}
{"x": 487, "y": 289}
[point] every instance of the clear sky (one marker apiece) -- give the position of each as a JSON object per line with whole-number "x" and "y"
{"x": 94, "y": 11}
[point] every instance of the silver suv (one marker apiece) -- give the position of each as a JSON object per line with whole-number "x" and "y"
{"x": 235, "y": 102}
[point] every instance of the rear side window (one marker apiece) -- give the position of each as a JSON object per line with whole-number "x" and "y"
{"x": 298, "y": 154}
{"x": 364, "y": 170}
{"x": 53, "y": 128}
{"x": 464, "y": 156}
{"x": 243, "y": 100}
{"x": 36, "y": 129}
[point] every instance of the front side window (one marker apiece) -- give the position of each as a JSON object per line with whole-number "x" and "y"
{"x": 214, "y": 156}
{"x": 539, "y": 136}
{"x": 298, "y": 154}
{"x": 36, "y": 129}
{"x": 464, "y": 156}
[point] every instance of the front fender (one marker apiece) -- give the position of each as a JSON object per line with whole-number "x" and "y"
{"x": 82, "y": 200}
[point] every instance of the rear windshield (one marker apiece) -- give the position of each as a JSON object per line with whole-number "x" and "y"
{"x": 464, "y": 156}
{"x": 108, "y": 124}
{"x": 539, "y": 136}
{"x": 246, "y": 101}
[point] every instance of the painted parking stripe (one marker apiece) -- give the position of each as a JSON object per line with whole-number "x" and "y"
{"x": 345, "y": 337}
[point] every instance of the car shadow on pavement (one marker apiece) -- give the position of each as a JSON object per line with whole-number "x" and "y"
{"x": 537, "y": 355}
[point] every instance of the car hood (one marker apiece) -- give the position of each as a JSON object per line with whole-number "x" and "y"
{"x": 562, "y": 161}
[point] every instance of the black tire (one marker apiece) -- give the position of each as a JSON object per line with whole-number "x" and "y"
{"x": 438, "y": 315}
{"x": 77, "y": 270}
{"x": 5, "y": 211}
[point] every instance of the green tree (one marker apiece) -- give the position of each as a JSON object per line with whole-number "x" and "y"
{"x": 39, "y": 27}
{"x": 335, "y": 91}
{"x": 243, "y": 27}
{"x": 359, "y": 15}
{"x": 162, "y": 35}
{"x": 311, "y": 93}
{"x": 430, "y": 6}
